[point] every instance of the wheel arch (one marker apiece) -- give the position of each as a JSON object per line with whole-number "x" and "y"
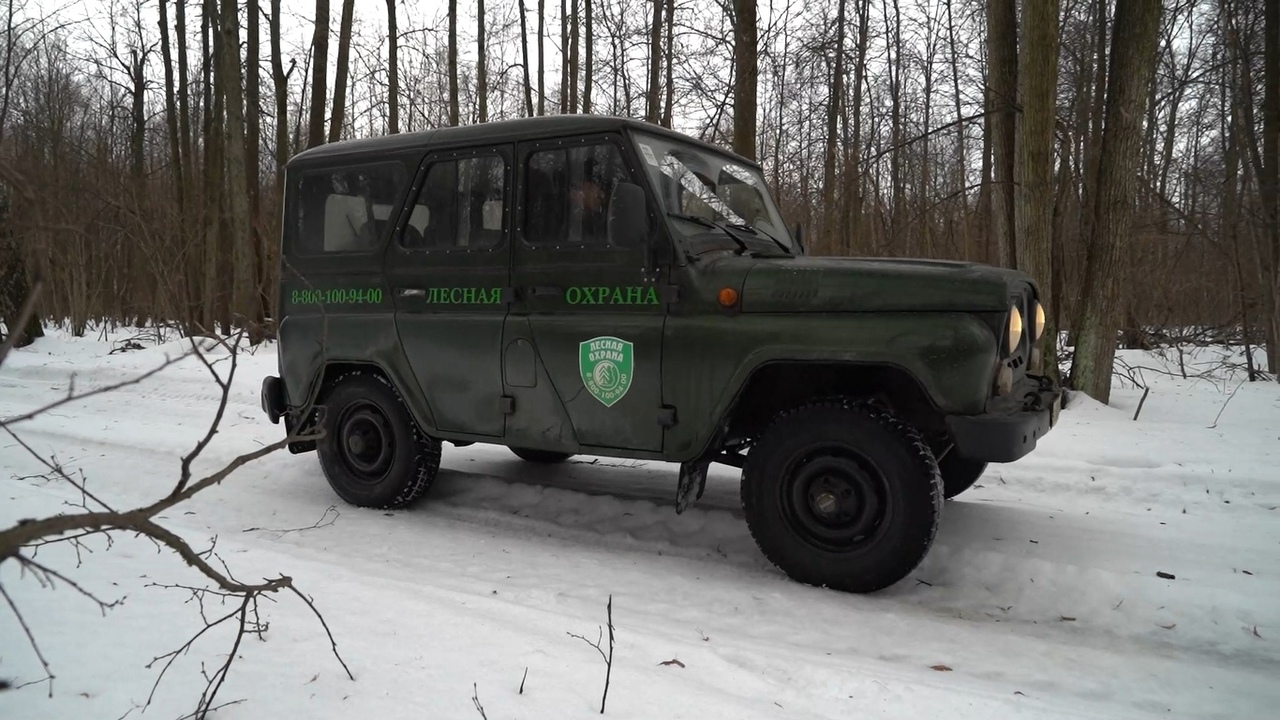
{"x": 779, "y": 385}
{"x": 331, "y": 372}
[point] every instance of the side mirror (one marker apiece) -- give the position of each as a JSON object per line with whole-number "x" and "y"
{"x": 799, "y": 238}
{"x": 628, "y": 216}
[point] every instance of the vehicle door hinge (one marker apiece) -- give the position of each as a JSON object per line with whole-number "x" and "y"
{"x": 667, "y": 416}
{"x": 508, "y": 405}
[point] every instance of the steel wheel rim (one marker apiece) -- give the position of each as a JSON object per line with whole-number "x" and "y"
{"x": 365, "y": 441}
{"x": 835, "y": 500}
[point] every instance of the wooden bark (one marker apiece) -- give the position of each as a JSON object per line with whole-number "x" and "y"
{"x": 319, "y": 66}
{"x": 281, "y": 82}
{"x": 1035, "y": 192}
{"x": 574, "y": 32}
{"x": 745, "y": 69}
{"x": 1002, "y": 87}
{"x": 542, "y": 92}
{"x": 1270, "y": 180}
{"x": 1132, "y": 57}
{"x": 482, "y": 72}
{"x": 341, "y": 71}
{"x": 670, "y": 62}
{"x": 830, "y": 212}
{"x": 651, "y": 108}
{"x": 524, "y": 57}
{"x": 453, "y": 63}
{"x": 243, "y": 301}
{"x": 393, "y": 67}
{"x": 588, "y": 60}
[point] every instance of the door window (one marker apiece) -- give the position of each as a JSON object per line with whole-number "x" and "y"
{"x": 462, "y": 206}
{"x": 567, "y": 195}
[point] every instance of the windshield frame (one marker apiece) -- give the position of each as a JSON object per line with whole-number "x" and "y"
{"x": 650, "y": 146}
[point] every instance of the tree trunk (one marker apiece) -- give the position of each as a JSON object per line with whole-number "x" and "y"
{"x": 252, "y": 156}
{"x": 1038, "y": 80}
{"x": 1137, "y": 23}
{"x": 319, "y": 82}
{"x": 213, "y": 166}
{"x": 828, "y": 240}
{"x": 574, "y": 32}
{"x": 170, "y": 105}
{"x": 281, "y": 81}
{"x": 453, "y": 63}
{"x": 651, "y": 108}
{"x": 524, "y": 57}
{"x": 393, "y": 66}
{"x": 745, "y": 71}
{"x": 342, "y": 71}
{"x": 1270, "y": 181}
{"x": 482, "y": 72}
{"x": 243, "y": 300}
{"x": 542, "y": 92}
{"x": 961, "y": 158}
{"x": 854, "y": 244}
{"x": 564, "y": 57}
{"x": 588, "y": 60}
{"x": 667, "y": 107}
{"x": 1002, "y": 88}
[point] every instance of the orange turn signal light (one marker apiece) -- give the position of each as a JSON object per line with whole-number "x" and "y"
{"x": 728, "y": 297}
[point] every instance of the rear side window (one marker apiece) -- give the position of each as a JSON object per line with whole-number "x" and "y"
{"x": 462, "y": 205}
{"x": 344, "y": 210}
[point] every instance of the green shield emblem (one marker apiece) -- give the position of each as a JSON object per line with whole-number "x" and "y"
{"x": 606, "y": 367}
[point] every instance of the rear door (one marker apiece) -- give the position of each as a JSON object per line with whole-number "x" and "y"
{"x": 449, "y": 273}
{"x": 591, "y": 309}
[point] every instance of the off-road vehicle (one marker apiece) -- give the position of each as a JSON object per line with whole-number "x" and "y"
{"x": 602, "y": 286}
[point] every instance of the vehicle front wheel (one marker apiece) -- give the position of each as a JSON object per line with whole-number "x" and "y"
{"x": 541, "y": 456}
{"x": 373, "y": 454}
{"x": 842, "y": 495}
{"x": 959, "y": 473}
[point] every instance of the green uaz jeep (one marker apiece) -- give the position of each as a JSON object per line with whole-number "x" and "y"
{"x": 582, "y": 284}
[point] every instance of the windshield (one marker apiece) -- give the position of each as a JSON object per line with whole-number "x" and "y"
{"x": 697, "y": 183}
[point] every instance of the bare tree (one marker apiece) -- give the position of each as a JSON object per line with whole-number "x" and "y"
{"x": 1137, "y": 23}
{"x": 745, "y": 69}
{"x": 341, "y": 71}
{"x": 453, "y": 63}
{"x": 482, "y": 75}
{"x": 393, "y": 69}
{"x": 319, "y": 52}
{"x": 1038, "y": 81}
{"x": 1002, "y": 88}
{"x": 655, "y": 64}
{"x": 830, "y": 211}
{"x": 281, "y": 80}
{"x": 524, "y": 57}
{"x": 587, "y": 60}
{"x": 542, "y": 93}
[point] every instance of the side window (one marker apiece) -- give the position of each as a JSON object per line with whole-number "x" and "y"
{"x": 347, "y": 209}
{"x": 462, "y": 204}
{"x": 567, "y": 194}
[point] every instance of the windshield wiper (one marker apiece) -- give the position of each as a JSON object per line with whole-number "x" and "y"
{"x": 726, "y": 229}
{"x": 775, "y": 240}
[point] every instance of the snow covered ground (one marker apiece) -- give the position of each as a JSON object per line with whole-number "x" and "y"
{"x": 1040, "y": 594}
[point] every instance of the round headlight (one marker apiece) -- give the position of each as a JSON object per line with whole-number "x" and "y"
{"x": 1039, "y": 326}
{"x": 1014, "y": 336}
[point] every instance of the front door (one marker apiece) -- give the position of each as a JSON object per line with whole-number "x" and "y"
{"x": 590, "y": 307}
{"x": 449, "y": 272}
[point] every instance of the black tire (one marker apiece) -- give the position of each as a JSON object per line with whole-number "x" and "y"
{"x": 540, "y": 456}
{"x": 958, "y": 473}
{"x": 373, "y": 454}
{"x": 843, "y": 496}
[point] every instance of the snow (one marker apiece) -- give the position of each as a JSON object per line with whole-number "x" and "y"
{"x": 1040, "y": 593}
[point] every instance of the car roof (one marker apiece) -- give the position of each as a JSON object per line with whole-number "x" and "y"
{"x": 531, "y": 128}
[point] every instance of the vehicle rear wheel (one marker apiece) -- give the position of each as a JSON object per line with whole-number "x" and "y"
{"x": 842, "y": 495}
{"x": 541, "y": 456}
{"x": 959, "y": 473}
{"x": 373, "y": 454}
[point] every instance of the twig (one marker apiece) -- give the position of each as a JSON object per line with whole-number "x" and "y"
{"x": 522, "y": 679}
{"x": 333, "y": 644}
{"x": 314, "y": 526}
{"x": 1145, "y": 393}
{"x": 1224, "y": 406}
{"x": 225, "y": 385}
{"x": 608, "y": 659}
{"x": 475, "y": 699}
{"x": 31, "y": 638}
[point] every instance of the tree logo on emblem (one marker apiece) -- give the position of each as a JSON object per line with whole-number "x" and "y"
{"x": 606, "y": 367}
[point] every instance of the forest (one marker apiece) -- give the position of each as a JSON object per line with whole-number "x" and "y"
{"x": 1125, "y": 153}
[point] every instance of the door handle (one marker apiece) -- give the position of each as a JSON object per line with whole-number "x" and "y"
{"x": 412, "y": 292}
{"x": 540, "y": 290}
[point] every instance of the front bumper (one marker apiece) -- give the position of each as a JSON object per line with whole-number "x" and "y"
{"x": 1005, "y": 437}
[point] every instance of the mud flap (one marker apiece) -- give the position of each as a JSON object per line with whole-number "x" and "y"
{"x": 693, "y": 481}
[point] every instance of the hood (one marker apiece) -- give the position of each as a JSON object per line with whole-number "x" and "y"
{"x": 831, "y": 284}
